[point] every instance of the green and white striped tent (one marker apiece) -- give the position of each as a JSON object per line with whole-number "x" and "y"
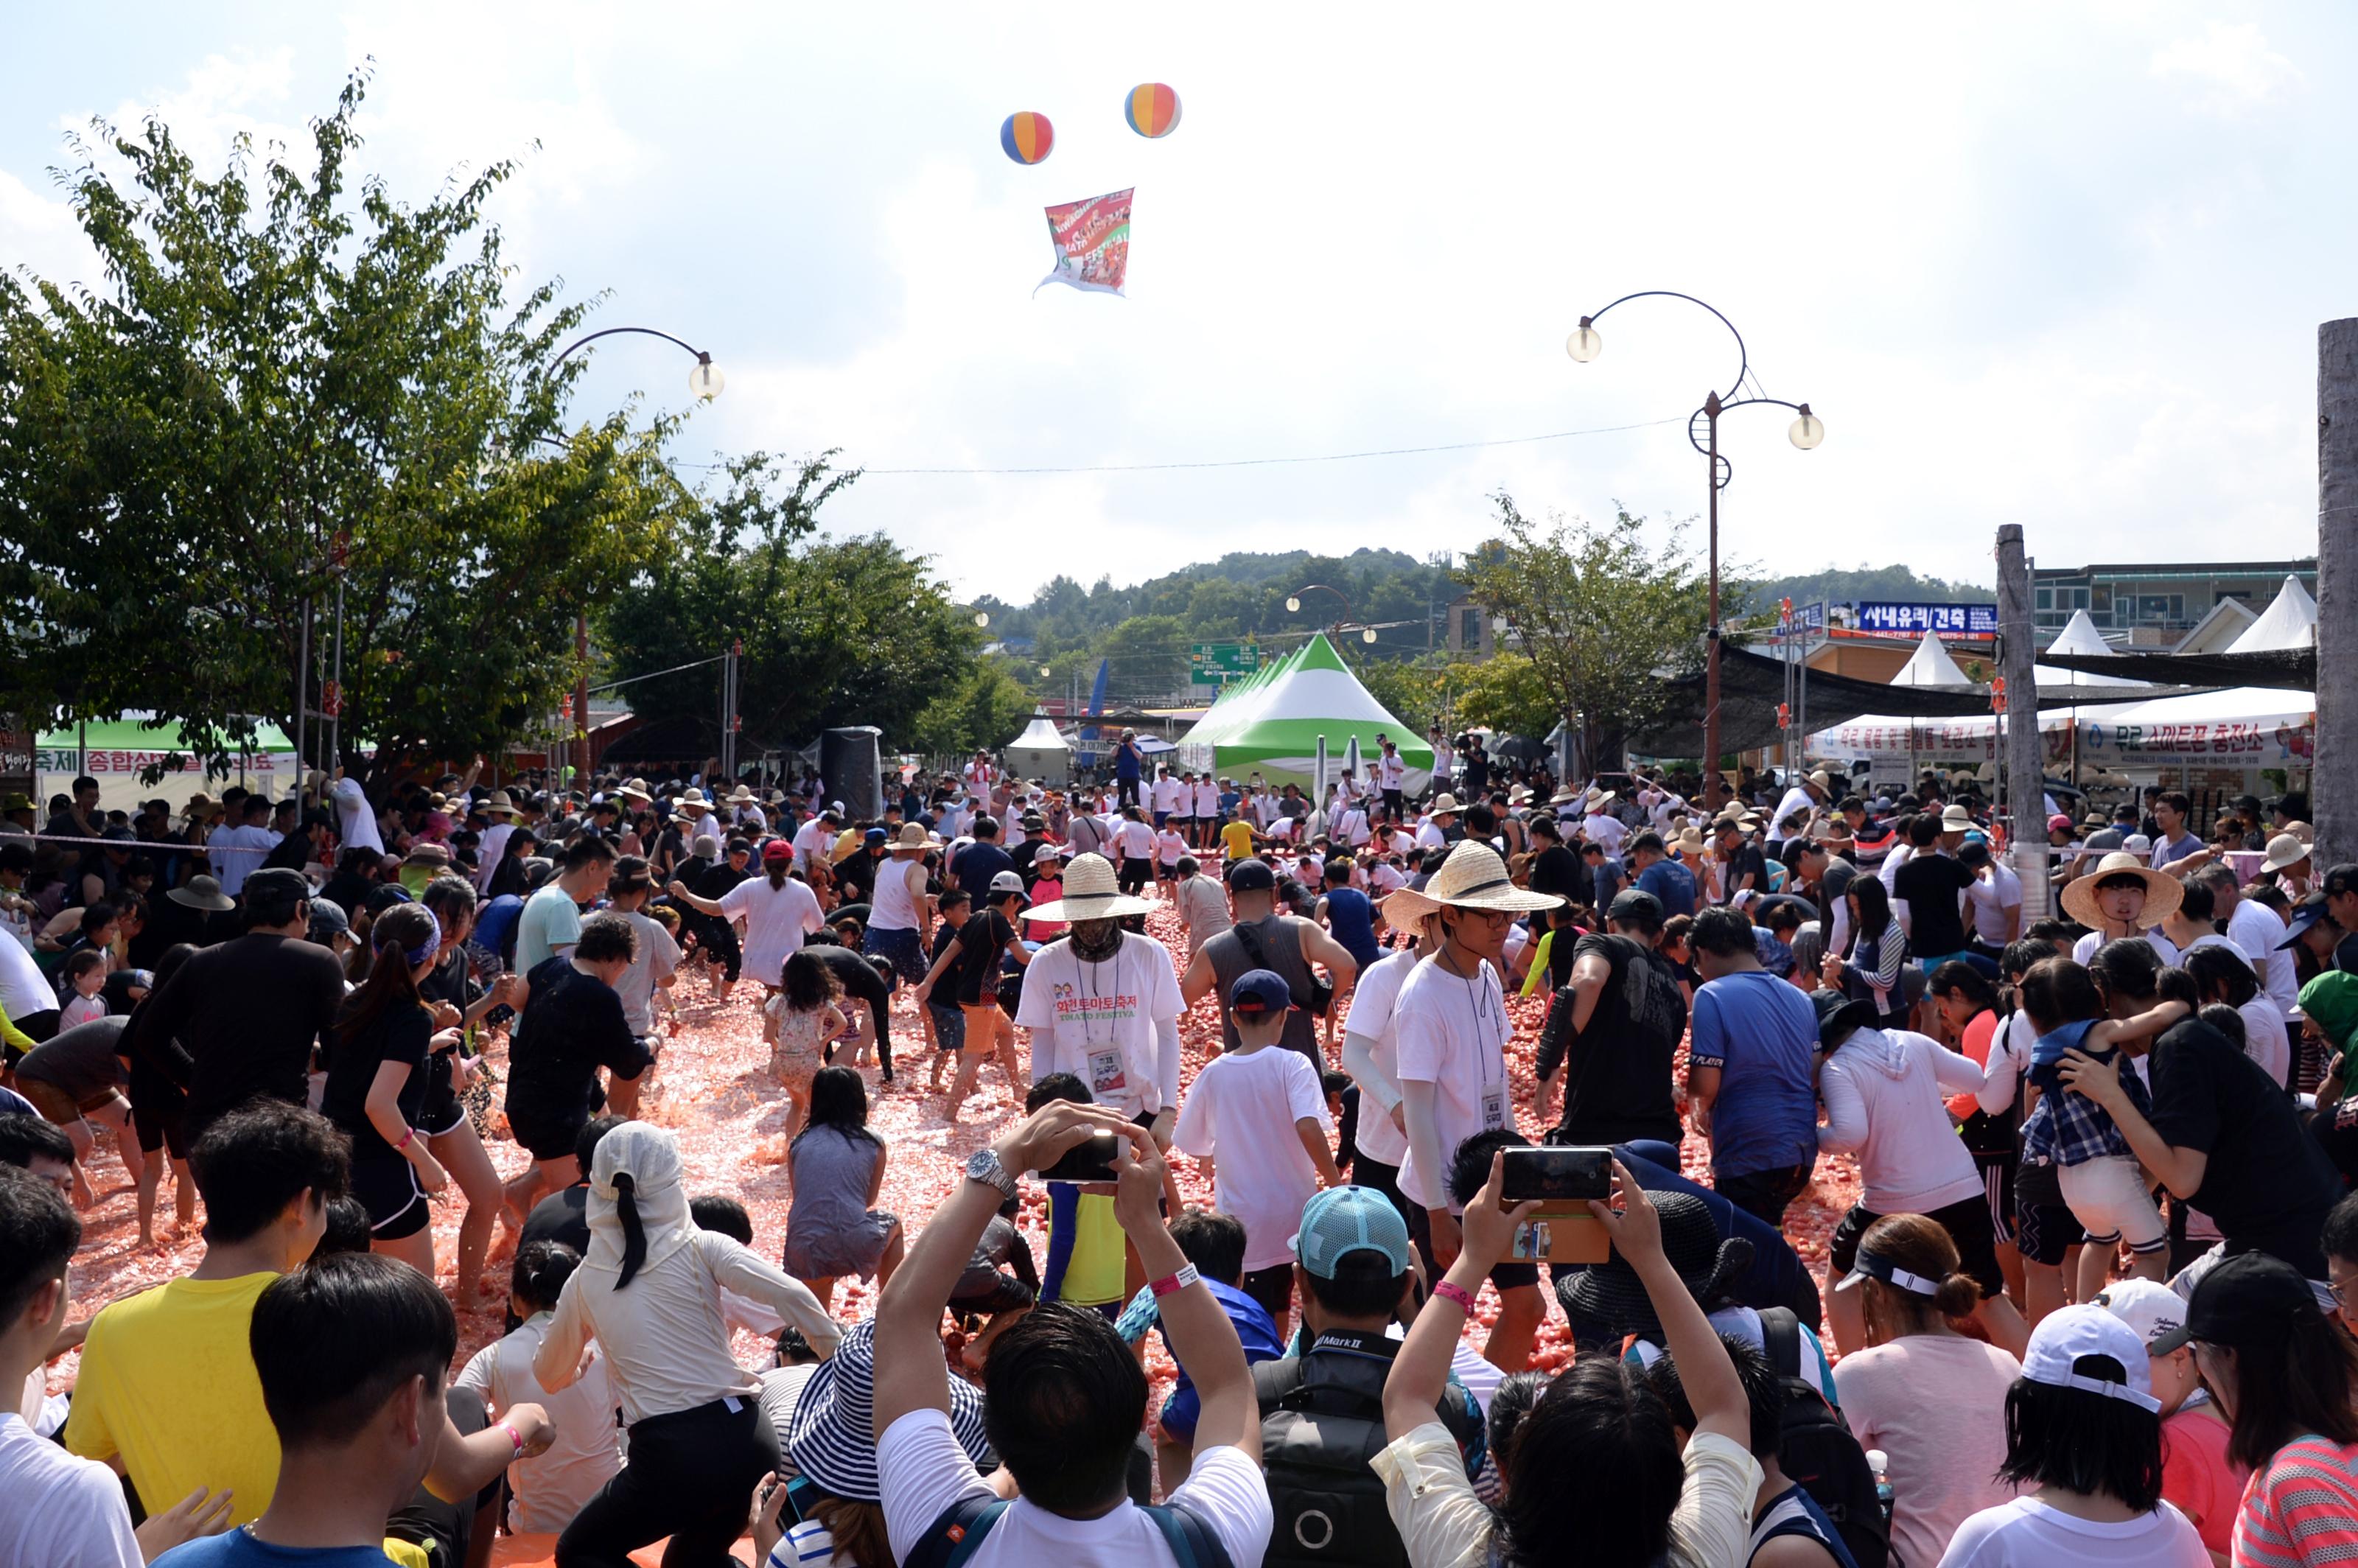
{"x": 1271, "y": 722}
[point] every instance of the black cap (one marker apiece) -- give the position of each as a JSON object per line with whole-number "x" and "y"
{"x": 1636, "y": 907}
{"x": 1838, "y": 1016}
{"x": 2250, "y": 1299}
{"x": 1251, "y": 876}
{"x": 2340, "y": 879}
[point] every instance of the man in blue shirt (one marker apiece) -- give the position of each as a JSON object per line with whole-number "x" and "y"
{"x": 1127, "y": 758}
{"x": 1668, "y": 881}
{"x": 1750, "y": 1084}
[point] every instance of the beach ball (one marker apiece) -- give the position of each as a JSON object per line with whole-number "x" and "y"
{"x": 1027, "y": 136}
{"x": 1151, "y": 109}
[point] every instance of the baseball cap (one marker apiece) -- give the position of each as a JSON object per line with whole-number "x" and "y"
{"x": 2060, "y": 823}
{"x": 2249, "y": 1299}
{"x": 1258, "y": 991}
{"x": 2154, "y": 1312}
{"x": 1635, "y": 903}
{"x": 874, "y": 836}
{"x": 2305, "y": 913}
{"x": 1007, "y": 882}
{"x": 327, "y": 921}
{"x": 1343, "y": 1220}
{"x": 777, "y": 849}
{"x": 2066, "y": 1334}
{"x": 1251, "y": 876}
{"x": 2340, "y": 879}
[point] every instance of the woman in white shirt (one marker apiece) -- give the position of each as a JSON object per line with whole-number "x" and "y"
{"x": 650, "y": 1294}
{"x": 778, "y": 909}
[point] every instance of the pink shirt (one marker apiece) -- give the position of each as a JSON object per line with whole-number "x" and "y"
{"x": 1936, "y": 1404}
{"x": 2197, "y": 1477}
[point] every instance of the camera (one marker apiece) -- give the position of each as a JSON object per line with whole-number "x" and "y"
{"x": 1091, "y": 1160}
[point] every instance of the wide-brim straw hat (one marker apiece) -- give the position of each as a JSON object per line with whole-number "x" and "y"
{"x": 913, "y": 836}
{"x": 2162, "y": 895}
{"x": 1474, "y": 877}
{"x": 1565, "y": 796}
{"x": 636, "y": 789}
{"x": 692, "y": 800}
{"x": 498, "y": 801}
{"x": 2283, "y": 849}
{"x": 1689, "y": 842}
{"x": 1444, "y": 804}
{"x": 1091, "y": 893}
{"x": 1956, "y": 820}
{"x": 202, "y": 892}
{"x": 744, "y": 795}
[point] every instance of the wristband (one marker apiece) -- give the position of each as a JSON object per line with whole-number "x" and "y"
{"x": 406, "y": 1134}
{"x": 513, "y": 1437}
{"x": 1449, "y": 1291}
{"x": 1177, "y": 1283}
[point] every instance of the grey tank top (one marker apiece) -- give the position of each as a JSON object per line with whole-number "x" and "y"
{"x": 1280, "y": 940}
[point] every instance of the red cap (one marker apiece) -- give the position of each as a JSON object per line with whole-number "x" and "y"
{"x": 776, "y": 849}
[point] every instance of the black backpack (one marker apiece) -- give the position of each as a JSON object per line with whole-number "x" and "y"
{"x": 1322, "y": 1422}
{"x": 1818, "y": 1452}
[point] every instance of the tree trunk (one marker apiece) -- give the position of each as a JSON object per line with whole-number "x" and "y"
{"x": 2025, "y": 772}
{"x": 2334, "y": 778}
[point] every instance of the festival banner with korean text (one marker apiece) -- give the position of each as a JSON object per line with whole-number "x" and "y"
{"x": 1092, "y": 241}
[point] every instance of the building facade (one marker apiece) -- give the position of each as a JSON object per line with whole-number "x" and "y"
{"x": 2155, "y": 603}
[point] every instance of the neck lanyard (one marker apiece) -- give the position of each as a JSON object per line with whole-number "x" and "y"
{"x": 1486, "y": 1032}
{"x": 1113, "y": 1029}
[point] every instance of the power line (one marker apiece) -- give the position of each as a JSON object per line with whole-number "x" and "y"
{"x": 1274, "y": 462}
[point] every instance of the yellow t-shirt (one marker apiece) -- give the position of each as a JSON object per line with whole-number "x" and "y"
{"x": 167, "y": 1382}
{"x": 1095, "y": 1275}
{"x": 1237, "y": 837}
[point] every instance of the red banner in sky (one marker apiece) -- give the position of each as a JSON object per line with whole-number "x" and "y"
{"x": 1092, "y": 241}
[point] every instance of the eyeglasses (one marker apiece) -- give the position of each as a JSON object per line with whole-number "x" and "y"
{"x": 2342, "y": 1295}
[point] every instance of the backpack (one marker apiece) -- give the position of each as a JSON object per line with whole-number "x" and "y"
{"x": 1818, "y": 1452}
{"x": 953, "y": 1537}
{"x": 1322, "y": 1422}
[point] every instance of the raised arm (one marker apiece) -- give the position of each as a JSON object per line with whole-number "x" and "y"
{"x": 1202, "y": 1339}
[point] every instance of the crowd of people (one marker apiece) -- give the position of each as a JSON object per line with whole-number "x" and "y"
{"x": 2090, "y": 1305}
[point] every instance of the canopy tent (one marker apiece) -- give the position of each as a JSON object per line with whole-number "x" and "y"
{"x": 2250, "y": 726}
{"x": 1929, "y": 665}
{"x": 1751, "y": 685}
{"x": 2080, "y": 639}
{"x": 119, "y": 750}
{"x": 1270, "y": 721}
{"x": 1040, "y": 753}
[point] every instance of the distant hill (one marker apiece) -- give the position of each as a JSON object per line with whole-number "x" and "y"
{"x": 1898, "y": 583}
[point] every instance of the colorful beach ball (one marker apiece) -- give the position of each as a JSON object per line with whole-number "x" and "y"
{"x": 1151, "y": 109}
{"x": 1027, "y": 136}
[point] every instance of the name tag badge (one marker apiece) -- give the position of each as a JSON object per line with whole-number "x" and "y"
{"x": 1105, "y": 1072}
{"x": 1493, "y": 1107}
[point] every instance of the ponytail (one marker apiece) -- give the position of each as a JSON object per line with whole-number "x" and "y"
{"x": 634, "y": 1234}
{"x": 403, "y": 937}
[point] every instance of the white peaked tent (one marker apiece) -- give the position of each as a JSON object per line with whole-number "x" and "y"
{"x": 1930, "y": 665}
{"x": 2186, "y": 722}
{"x": 1039, "y": 753}
{"x": 2080, "y": 639}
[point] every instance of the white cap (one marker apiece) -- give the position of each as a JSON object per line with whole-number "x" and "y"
{"x": 2069, "y": 1332}
{"x": 2154, "y": 1312}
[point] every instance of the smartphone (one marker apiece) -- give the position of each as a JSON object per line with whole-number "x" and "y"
{"x": 1091, "y": 1160}
{"x": 1557, "y": 1175}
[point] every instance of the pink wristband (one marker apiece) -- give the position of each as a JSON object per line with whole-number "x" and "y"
{"x": 1172, "y": 1284}
{"x": 406, "y": 1134}
{"x": 1450, "y": 1291}
{"x": 513, "y": 1437}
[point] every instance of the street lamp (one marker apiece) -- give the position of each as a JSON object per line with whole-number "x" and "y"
{"x": 705, "y": 382}
{"x": 982, "y": 618}
{"x": 1806, "y": 431}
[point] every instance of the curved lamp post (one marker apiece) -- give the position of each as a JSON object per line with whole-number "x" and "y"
{"x": 1806, "y": 431}
{"x": 1294, "y": 604}
{"x": 705, "y": 382}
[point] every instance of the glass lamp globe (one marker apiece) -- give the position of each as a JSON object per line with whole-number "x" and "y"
{"x": 706, "y": 380}
{"x": 1808, "y": 430}
{"x": 1292, "y": 601}
{"x": 982, "y": 618}
{"x": 1584, "y": 345}
{"x": 1046, "y": 672}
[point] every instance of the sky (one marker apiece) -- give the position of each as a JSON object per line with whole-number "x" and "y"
{"x": 2058, "y": 265}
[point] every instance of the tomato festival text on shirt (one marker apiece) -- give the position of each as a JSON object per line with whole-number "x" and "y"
{"x": 1070, "y": 1005}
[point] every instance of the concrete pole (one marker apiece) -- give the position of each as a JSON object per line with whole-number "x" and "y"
{"x": 2024, "y": 775}
{"x": 2333, "y": 780}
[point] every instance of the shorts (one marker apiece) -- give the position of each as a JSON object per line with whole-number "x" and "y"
{"x": 1160, "y": 817}
{"x": 949, "y": 1027}
{"x": 388, "y": 1189}
{"x": 2109, "y": 1197}
{"x": 1967, "y": 1221}
{"x": 2043, "y": 1227}
{"x": 1367, "y": 1171}
{"x": 1998, "y": 1191}
{"x": 56, "y": 1105}
{"x": 441, "y": 1114}
{"x": 982, "y": 1027}
{"x": 1272, "y": 1287}
{"x": 902, "y": 945}
{"x": 546, "y": 1137}
{"x": 159, "y": 1129}
{"x": 1507, "y": 1276}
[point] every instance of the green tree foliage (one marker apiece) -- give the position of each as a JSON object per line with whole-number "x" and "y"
{"x": 1600, "y": 617}
{"x": 1410, "y": 692}
{"x": 279, "y": 357}
{"x": 852, "y": 630}
{"x": 984, "y": 708}
{"x": 1505, "y": 692}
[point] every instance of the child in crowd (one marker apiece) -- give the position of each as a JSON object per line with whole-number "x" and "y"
{"x": 1170, "y": 849}
{"x": 803, "y": 1017}
{"x": 85, "y": 977}
{"x": 2198, "y": 1478}
{"x": 945, "y": 1024}
{"x": 1259, "y": 1114}
{"x": 1047, "y": 887}
{"x": 550, "y": 1489}
{"x": 1087, "y": 1250}
{"x": 838, "y": 1165}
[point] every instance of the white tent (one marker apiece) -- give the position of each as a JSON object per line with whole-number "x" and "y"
{"x": 1040, "y": 753}
{"x": 2080, "y": 638}
{"x": 1930, "y": 665}
{"x": 2256, "y": 727}
{"x": 2288, "y": 622}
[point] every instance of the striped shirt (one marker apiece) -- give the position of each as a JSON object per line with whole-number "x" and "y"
{"x": 2301, "y": 1507}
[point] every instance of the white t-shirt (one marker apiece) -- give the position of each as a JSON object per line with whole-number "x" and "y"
{"x": 658, "y": 957}
{"x": 1207, "y": 799}
{"x": 355, "y": 819}
{"x": 24, "y": 990}
{"x": 67, "y": 1513}
{"x": 1352, "y": 826}
{"x": 1796, "y": 801}
{"x": 1169, "y": 846}
{"x": 1391, "y": 770}
{"x": 1137, "y": 840}
{"x": 777, "y": 921}
{"x": 587, "y": 1453}
{"x": 2257, "y": 929}
{"x": 236, "y": 854}
{"x": 488, "y": 852}
{"x": 1105, "y": 1021}
{"x": 2026, "y": 1533}
{"x": 922, "y": 1471}
{"x": 1607, "y": 832}
{"x": 1243, "y": 1110}
{"x": 1992, "y": 898}
{"x": 1453, "y": 1035}
{"x": 2164, "y": 948}
{"x": 1429, "y": 834}
{"x": 810, "y": 839}
{"x": 1372, "y": 1002}
{"x": 1166, "y": 795}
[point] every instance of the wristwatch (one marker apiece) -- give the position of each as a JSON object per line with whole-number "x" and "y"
{"x": 983, "y": 1166}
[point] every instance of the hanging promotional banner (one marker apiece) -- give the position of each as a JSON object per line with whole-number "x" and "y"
{"x": 1092, "y": 241}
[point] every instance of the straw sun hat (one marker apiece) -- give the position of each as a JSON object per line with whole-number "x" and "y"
{"x": 1474, "y": 877}
{"x": 1091, "y": 894}
{"x": 2162, "y": 895}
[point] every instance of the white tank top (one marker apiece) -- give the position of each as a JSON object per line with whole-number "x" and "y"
{"x": 893, "y": 909}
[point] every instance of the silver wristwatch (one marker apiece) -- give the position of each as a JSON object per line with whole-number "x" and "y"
{"x": 983, "y": 1166}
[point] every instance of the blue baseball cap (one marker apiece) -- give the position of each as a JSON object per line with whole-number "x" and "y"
{"x": 2305, "y": 913}
{"x": 1258, "y": 991}
{"x": 1343, "y": 1220}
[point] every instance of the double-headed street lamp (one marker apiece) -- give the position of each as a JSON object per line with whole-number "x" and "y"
{"x": 1293, "y": 605}
{"x": 1806, "y": 431}
{"x": 705, "y": 382}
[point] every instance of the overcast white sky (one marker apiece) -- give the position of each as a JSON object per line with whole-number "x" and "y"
{"x": 2060, "y": 264}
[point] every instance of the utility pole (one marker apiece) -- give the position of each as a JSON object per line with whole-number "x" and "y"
{"x": 2025, "y": 780}
{"x": 2333, "y": 777}
{"x": 581, "y": 700}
